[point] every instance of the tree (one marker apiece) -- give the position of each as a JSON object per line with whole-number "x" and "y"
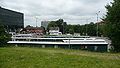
{"x": 112, "y": 24}
{"x": 59, "y": 23}
{"x": 76, "y": 28}
{"x": 71, "y": 31}
{"x": 4, "y": 37}
{"x": 28, "y": 26}
{"x": 64, "y": 26}
{"x": 51, "y": 24}
{"x": 68, "y": 28}
{"x": 82, "y": 30}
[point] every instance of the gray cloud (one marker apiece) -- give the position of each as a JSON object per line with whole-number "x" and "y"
{"x": 72, "y": 11}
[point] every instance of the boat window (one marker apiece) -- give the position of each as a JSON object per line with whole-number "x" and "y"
{"x": 89, "y": 39}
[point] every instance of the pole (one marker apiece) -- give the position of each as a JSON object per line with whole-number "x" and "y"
{"x": 69, "y": 43}
{"x": 36, "y": 21}
{"x": 97, "y": 22}
{"x": 63, "y": 27}
{"x": 86, "y": 26}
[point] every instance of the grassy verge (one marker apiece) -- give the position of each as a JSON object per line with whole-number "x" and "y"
{"x": 25, "y": 57}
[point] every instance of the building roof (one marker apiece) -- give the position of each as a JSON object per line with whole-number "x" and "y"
{"x": 10, "y": 10}
{"x": 100, "y": 23}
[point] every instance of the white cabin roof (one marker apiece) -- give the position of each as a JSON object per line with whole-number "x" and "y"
{"x": 59, "y": 43}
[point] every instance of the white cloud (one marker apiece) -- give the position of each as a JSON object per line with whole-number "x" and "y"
{"x": 72, "y": 11}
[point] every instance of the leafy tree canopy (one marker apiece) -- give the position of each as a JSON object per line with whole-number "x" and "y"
{"x": 59, "y": 23}
{"x": 4, "y": 37}
{"x": 112, "y": 24}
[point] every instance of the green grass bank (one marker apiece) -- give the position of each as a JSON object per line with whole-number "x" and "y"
{"x": 25, "y": 57}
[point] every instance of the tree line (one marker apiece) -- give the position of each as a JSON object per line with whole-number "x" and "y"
{"x": 87, "y": 29}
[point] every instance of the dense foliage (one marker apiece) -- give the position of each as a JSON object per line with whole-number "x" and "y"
{"x": 87, "y": 29}
{"x": 70, "y": 29}
{"x": 4, "y": 37}
{"x": 112, "y": 24}
{"x": 59, "y": 23}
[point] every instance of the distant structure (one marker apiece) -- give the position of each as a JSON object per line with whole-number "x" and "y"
{"x": 100, "y": 23}
{"x": 45, "y": 23}
{"x": 54, "y": 31}
{"x": 33, "y": 30}
{"x": 12, "y": 20}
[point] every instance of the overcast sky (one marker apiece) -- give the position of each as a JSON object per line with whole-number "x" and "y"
{"x": 72, "y": 11}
